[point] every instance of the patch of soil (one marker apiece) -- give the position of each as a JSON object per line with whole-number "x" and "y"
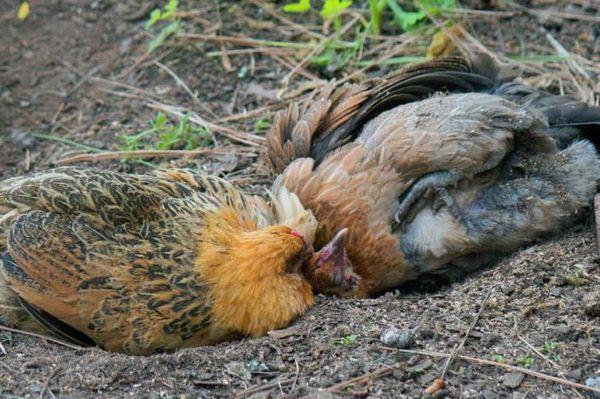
{"x": 56, "y": 70}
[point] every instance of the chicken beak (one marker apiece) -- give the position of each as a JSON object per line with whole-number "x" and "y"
{"x": 335, "y": 250}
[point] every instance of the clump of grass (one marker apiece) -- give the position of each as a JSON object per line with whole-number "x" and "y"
{"x": 526, "y": 361}
{"x": 262, "y": 125}
{"x": 167, "y": 136}
{"x": 550, "y": 348}
{"x": 348, "y": 340}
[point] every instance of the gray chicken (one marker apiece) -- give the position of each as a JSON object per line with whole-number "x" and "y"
{"x": 437, "y": 168}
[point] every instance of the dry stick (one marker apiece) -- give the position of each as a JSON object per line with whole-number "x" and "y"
{"x": 47, "y": 382}
{"x": 110, "y": 155}
{"x": 246, "y": 138}
{"x": 269, "y": 10}
{"x": 181, "y": 83}
{"x": 56, "y": 341}
{"x": 287, "y": 79}
{"x": 380, "y": 372}
{"x": 462, "y": 343}
{"x": 485, "y": 362}
{"x": 262, "y": 387}
{"x": 597, "y": 219}
{"x": 564, "y": 53}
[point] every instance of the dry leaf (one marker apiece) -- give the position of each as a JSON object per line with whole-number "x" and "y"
{"x": 435, "y": 386}
{"x": 23, "y": 12}
{"x": 442, "y": 44}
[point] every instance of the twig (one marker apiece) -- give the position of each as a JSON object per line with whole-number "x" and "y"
{"x": 485, "y": 362}
{"x": 295, "y": 375}
{"x": 245, "y": 138}
{"x": 597, "y": 218}
{"x": 47, "y": 382}
{"x": 462, "y": 343}
{"x": 563, "y": 52}
{"x": 254, "y": 42}
{"x": 287, "y": 79}
{"x": 262, "y": 387}
{"x": 269, "y": 10}
{"x": 65, "y": 141}
{"x": 111, "y": 155}
{"x": 380, "y": 372}
{"x": 181, "y": 83}
{"x": 56, "y": 341}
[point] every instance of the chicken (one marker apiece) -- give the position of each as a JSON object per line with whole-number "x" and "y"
{"x": 432, "y": 182}
{"x": 142, "y": 264}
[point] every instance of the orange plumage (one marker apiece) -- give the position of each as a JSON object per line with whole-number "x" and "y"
{"x": 141, "y": 264}
{"x": 430, "y": 182}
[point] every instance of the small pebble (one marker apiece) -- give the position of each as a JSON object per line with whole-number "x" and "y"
{"x": 513, "y": 380}
{"x": 593, "y": 382}
{"x": 397, "y": 338}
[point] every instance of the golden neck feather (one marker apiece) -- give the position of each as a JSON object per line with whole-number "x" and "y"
{"x": 251, "y": 292}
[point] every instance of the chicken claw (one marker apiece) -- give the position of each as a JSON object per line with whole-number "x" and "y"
{"x": 432, "y": 184}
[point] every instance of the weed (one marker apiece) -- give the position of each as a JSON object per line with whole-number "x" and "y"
{"x": 526, "y": 361}
{"x": 166, "y": 14}
{"x": 181, "y": 136}
{"x": 262, "y": 125}
{"x": 348, "y": 340}
{"x": 550, "y": 348}
{"x": 499, "y": 359}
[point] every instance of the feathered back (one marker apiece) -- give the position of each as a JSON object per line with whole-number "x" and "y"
{"x": 334, "y": 117}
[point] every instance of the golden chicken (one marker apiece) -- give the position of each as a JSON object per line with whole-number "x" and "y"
{"x": 141, "y": 264}
{"x": 428, "y": 181}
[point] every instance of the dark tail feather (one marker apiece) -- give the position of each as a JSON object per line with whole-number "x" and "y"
{"x": 569, "y": 118}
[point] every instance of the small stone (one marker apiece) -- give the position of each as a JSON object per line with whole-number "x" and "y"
{"x": 397, "y": 338}
{"x": 593, "y": 382}
{"x": 424, "y": 365}
{"x": 255, "y": 365}
{"x": 513, "y": 380}
{"x": 425, "y": 379}
{"x": 507, "y": 290}
{"x": 238, "y": 369}
{"x": 556, "y": 291}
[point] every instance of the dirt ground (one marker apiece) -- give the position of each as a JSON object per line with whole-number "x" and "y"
{"x": 76, "y": 70}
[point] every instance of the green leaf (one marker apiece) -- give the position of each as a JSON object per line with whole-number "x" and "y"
{"x": 171, "y": 8}
{"x": 154, "y": 18}
{"x": 300, "y": 6}
{"x": 333, "y": 8}
{"x": 163, "y": 35}
{"x": 408, "y": 20}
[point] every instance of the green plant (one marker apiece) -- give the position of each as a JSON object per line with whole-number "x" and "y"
{"x": 526, "y": 361}
{"x": 300, "y": 6}
{"x": 331, "y": 10}
{"x": 183, "y": 135}
{"x": 376, "y": 8}
{"x": 262, "y": 124}
{"x": 410, "y": 20}
{"x": 348, "y": 340}
{"x": 550, "y": 348}
{"x": 166, "y": 14}
{"x": 499, "y": 359}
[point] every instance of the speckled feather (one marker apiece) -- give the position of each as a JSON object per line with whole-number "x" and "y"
{"x": 116, "y": 256}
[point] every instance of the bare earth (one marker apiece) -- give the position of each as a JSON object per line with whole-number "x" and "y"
{"x": 542, "y": 312}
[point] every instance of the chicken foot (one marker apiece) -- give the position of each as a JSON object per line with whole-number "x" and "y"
{"x": 433, "y": 184}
